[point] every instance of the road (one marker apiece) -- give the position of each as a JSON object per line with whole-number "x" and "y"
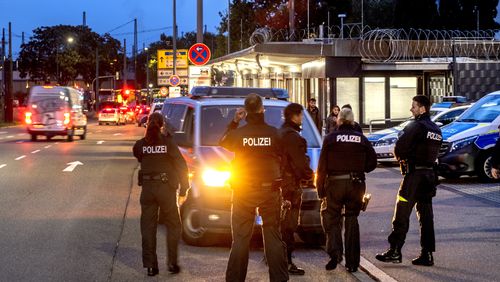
{"x": 83, "y": 225}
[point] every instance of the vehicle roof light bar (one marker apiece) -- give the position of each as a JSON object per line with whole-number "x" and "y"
{"x": 237, "y": 92}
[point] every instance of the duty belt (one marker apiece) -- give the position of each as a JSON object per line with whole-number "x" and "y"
{"x": 418, "y": 167}
{"x": 162, "y": 176}
{"x": 339, "y": 177}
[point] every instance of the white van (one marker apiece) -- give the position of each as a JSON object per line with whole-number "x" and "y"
{"x": 55, "y": 110}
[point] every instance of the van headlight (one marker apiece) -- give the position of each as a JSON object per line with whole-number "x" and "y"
{"x": 386, "y": 142}
{"x": 459, "y": 144}
{"x": 216, "y": 178}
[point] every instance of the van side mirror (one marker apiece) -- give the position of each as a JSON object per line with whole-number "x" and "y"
{"x": 182, "y": 139}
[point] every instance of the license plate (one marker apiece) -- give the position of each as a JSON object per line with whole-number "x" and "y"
{"x": 38, "y": 126}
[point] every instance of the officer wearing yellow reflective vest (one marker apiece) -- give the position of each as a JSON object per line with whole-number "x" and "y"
{"x": 162, "y": 169}
{"x": 257, "y": 164}
{"x": 345, "y": 157}
{"x": 417, "y": 149}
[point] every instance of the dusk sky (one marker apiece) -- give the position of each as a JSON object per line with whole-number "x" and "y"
{"x": 105, "y": 15}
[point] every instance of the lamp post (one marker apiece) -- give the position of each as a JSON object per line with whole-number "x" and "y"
{"x": 147, "y": 72}
{"x": 69, "y": 40}
{"x": 342, "y": 16}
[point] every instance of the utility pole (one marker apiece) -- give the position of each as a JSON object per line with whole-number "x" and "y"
{"x": 228, "y": 26}
{"x": 174, "y": 37}
{"x": 9, "y": 116}
{"x": 147, "y": 72}
{"x": 84, "y": 19}
{"x": 291, "y": 19}
{"x": 362, "y": 18}
{"x": 22, "y": 37}
{"x": 2, "y": 77}
{"x": 124, "y": 63}
{"x": 308, "y": 34}
{"x": 199, "y": 22}
{"x": 241, "y": 34}
{"x": 134, "y": 53}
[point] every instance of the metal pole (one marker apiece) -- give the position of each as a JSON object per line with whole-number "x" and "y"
{"x": 124, "y": 63}
{"x": 241, "y": 34}
{"x": 291, "y": 19}
{"x": 455, "y": 86}
{"x": 308, "y": 35}
{"x": 135, "y": 53}
{"x": 22, "y": 37}
{"x": 9, "y": 116}
{"x": 174, "y": 37}
{"x": 97, "y": 78}
{"x": 84, "y": 18}
{"x": 478, "y": 22}
{"x": 342, "y": 27}
{"x": 199, "y": 22}
{"x": 147, "y": 73}
{"x": 228, "y": 26}
{"x": 362, "y": 17}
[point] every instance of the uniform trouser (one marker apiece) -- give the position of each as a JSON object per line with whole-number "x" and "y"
{"x": 348, "y": 195}
{"x": 291, "y": 220}
{"x": 245, "y": 202}
{"x": 417, "y": 188}
{"x": 156, "y": 195}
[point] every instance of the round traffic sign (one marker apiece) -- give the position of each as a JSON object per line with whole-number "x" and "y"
{"x": 199, "y": 54}
{"x": 164, "y": 91}
{"x": 174, "y": 80}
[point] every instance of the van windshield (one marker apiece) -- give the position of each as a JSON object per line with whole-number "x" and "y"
{"x": 214, "y": 120}
{"x": 485, "y": 110}
{"x": 49, "y": 103}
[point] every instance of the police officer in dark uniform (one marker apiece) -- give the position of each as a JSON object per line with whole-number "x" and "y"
{"x": 162, "y": 170}
{"x": 256, "y": 184}
{"x": 295, "y": 168}
{"x": 495, "y": 160}
{"x": 345, "y": 157}
{"x": 417, "y": 149}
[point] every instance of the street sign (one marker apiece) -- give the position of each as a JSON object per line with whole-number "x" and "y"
{"x": 174, "y": 80}
{"x": 164, "y": 91}
{"x": 199, "y": 54}
{"x": 165, "y": 58}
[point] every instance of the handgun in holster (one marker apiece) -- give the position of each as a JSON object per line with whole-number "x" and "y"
{"x": 366, "y": 201}
{"x": 139, "y": 178}
{"x": 403, "y": 165}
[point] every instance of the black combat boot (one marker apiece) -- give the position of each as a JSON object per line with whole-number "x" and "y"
{"x": 153, "y": 271}
{"x": 425, "y": 259}
{"x": 391, "y": 255}
{"x": 174, "y": 268}
{"x": 294, "y": 270}
{"x": 332, "y": 264}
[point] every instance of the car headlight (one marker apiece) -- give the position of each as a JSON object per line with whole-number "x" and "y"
{"x": 459, "y": 144}
{"x": 386, "y": 142}
{"x": 216, "y": 178}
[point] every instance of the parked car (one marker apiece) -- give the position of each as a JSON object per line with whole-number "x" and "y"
{"x": 142, "y": 115}
{"x": 110, "y": 113}
{"x": 468, "y": 141}
{"x": 55, "y": 110}
{"x": 198, "y": 124}
{"x": 384, "y": 143}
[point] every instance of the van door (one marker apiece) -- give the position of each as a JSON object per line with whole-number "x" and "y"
{"x": 48, "y": 110}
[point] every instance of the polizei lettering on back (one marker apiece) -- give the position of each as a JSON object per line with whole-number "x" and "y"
{"x": 434, "y": 136}
{"x": 154, "y": 149}
{"x": 257, "y": 141}
{"x": 348, "y": 138}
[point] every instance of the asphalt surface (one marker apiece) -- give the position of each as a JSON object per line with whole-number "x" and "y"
{"x": 83, "y": 225}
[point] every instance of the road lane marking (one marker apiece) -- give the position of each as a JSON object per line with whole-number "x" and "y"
{"x": 100, "y": 142}
{"x": 72, "y": 166}
{"x": 19, "y": 142}
{"x": 375, "y": 271}
{"x": 48, "y": 146}
{"x": 36, "y": 151}
{"x": 20, "y": 158}
{"x": 117, "y": 134}
{"x": 3, "y": 132}
{"x": 3, "y": 165}
{"x": 20, "y": 134}
{"x": 56, "y": 143}
{"x": 10, "y": 136}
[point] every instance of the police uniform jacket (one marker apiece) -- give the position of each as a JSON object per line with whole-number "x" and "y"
{"x": 257, "y": 150}
{"x": 163, "y": 157}
{"x": 419, "y": 142}
{"x": 495, "y": 159}
{"x": 295, "y": 159}
{"x": 344, "y": 151}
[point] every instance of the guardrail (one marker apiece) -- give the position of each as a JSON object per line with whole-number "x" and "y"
{"x": 371, "y": 122}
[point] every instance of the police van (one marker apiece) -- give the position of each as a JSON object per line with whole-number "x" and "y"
{"x": 55, "y": 110}
{"x": 468, "y": 141}
{"x": 198, "y": 123}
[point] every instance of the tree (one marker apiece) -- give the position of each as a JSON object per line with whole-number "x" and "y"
{"x": 49, "y": 55}
{"x": 416, "y": 14}
{"x": 242, "y": 23}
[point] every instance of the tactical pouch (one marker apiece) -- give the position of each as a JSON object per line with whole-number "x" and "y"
{"x": 403, "y": 165}
{"x": 139, "y": 178}
{"x": 164, "y": 177}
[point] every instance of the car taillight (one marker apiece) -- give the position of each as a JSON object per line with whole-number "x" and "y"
{"x": 140, "y": 111}
{"x": 66, "y": 118}
{"x": 28, "y": 117}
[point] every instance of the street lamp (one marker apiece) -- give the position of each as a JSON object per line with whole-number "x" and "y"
{"x": 70, "y": 39}
{"x": 147, "y": 72}
{"x": 342, "y": 16}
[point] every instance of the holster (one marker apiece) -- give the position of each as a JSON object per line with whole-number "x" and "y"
{"x": 403, "y": 165}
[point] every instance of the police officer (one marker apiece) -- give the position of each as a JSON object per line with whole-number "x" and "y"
{"x": 495, "y": 160}
{"x": 417, "y": 149}
{"x": 162, "y": 169}
{"x": 345, "y": 156}
{"x": 255, "y": 185}
{"x": 295, "y": 168}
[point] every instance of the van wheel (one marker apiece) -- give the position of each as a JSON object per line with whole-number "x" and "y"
{"x": 100, "y": 123}
{"x": 69, "y": 138}
{"x": 193, "y": 233}
{"x": 84, "y": 135}
{"x": 484, "y": 166}
{"x": 33, "y": 137}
